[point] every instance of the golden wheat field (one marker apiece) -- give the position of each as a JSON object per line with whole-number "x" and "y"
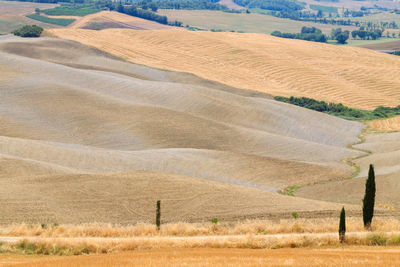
{"x": 353, "y": 76}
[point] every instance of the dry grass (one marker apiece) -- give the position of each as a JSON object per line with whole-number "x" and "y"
{"x": 219, "y": 257}
{"x": 353, "y": 76}
{"x": 249, "y": 227}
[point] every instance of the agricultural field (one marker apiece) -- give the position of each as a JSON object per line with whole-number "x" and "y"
{"x": 105, "y": 117}
{"x": 354, "y": 4}
{"x": 55, "y": 21}
{"x": 12, "y": 15}
{"x": 173, "y": 145}
{"x": 252, "y": 23}
{"x": 259, "y": 62}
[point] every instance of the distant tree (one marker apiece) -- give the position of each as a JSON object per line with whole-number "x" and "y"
{"x": 340, "y": 36}
{"x": 120, "y": 8}
{"x": 37, "y": 11}
{"x": 369, "y": 198}
{"x": 29, "y": 31}
{"x": 158, "y": 214}
{"x": 342, "y": 226}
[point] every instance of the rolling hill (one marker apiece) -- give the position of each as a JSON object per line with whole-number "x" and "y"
{"x": 88, "y": 137}
{"x": 353, "y": 76}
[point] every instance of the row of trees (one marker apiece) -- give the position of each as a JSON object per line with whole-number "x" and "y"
{"x": 276, "y": 5}
{"x": 366, "y": 34}
{"x": 307, "y": 33}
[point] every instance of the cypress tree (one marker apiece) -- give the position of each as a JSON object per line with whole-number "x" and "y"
{"x": 369, "y": 198}
{"x": 342, "y": 225}
{"x": 158, "y": 215}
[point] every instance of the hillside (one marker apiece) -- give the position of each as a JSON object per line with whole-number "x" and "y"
{"x": 84, "y": 133}
{"x": 385, "y": 148}
{"x": 353, "y": 76}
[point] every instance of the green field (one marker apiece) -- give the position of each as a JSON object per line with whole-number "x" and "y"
{"x": 327, "y": 9}
{"x": 60, "y": 22}
{"x": 70, "y": 11}
{"x": 254, "y": 23}
{"x": 384, "y": 17}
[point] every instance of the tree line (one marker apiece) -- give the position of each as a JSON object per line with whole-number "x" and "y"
{"x": 307, "y": 33}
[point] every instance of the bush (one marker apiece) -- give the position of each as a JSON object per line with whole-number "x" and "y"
{"x": 295, "y": 215}
{"x": 214, "y": 220}
{"x": 29, "y": 31}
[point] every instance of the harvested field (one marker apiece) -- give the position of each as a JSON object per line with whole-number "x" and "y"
{"x": 385, "y": 148}
{"x": 220, "y": 257}
{"x": 112, "y": 19}
{"x": 387, "y": 125}
{"x": 353, "y": 76}
{"x": 250, "y": 23}
{"x": 230, "y": 4}
{"x": 394, "y": 45}
{"x": 104, "y": 139}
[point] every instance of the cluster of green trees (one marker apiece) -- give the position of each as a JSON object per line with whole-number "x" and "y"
{"x": 29, "y": 31}
{"x": 340, "y": 36}
{"x": 142, "y": 13}
{"x": 307, "y": 33}
{"x": 340, "y": 110}
{"x": 182, "y": 4}
{"x": 277, "y": 5}
{"x": 367, "y": 34}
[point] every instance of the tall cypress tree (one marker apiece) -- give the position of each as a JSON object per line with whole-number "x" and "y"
{"x": 342, "y": 225}
{"x": 369, "y": 198}
{"x": 158, "y": 215}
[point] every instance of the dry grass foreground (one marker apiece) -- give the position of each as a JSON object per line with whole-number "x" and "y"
{"x": 353, "y": 76}
{"x": 218, "y": 257}
{"x": 112, "y": 19}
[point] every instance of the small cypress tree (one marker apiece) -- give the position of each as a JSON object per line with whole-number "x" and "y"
{"x": 342, "y": 226}
{"x": 158, "y": 215}
{"x": 369, "y": 198}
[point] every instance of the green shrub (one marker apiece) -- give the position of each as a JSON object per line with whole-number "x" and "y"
{"x": 29, "y": 31}
{"x": 214, "y": 220}
{"x": 295, "y": 215}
